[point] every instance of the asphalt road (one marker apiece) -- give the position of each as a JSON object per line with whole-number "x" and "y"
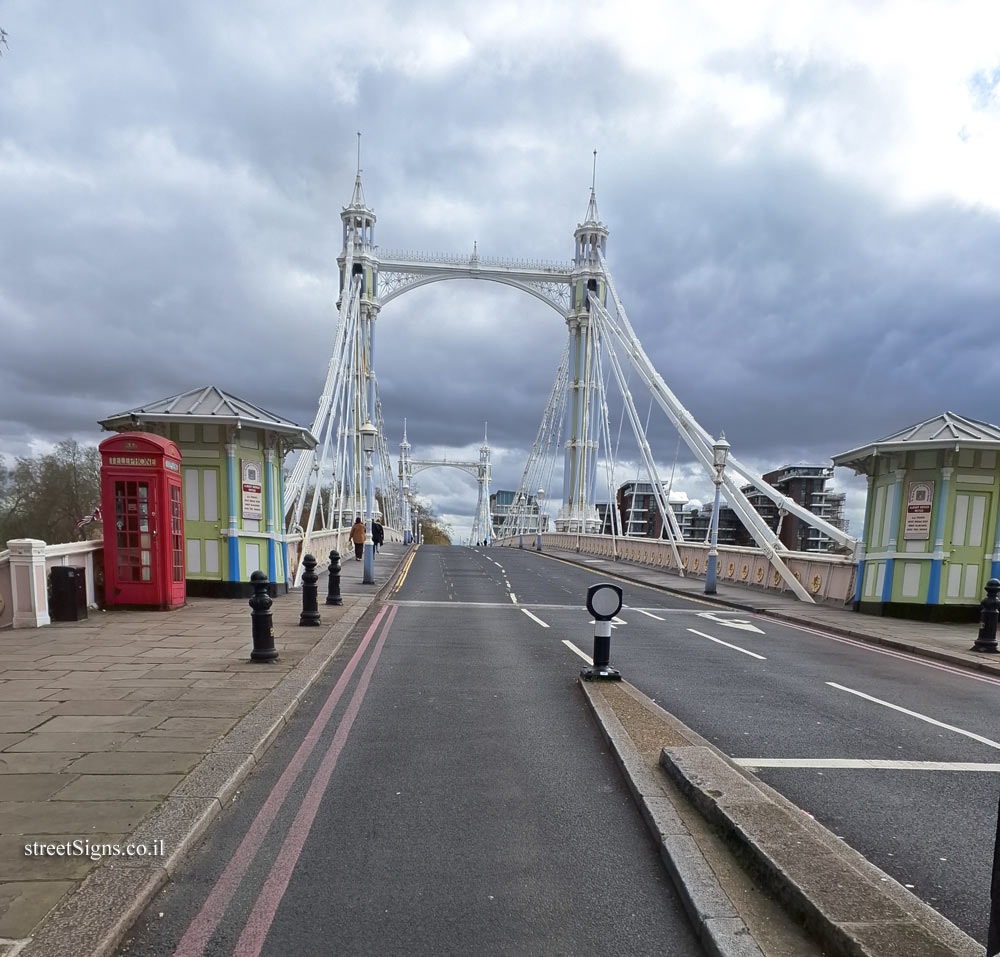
{"x": 443, "y": 790}
{"x": 770, "y": 693}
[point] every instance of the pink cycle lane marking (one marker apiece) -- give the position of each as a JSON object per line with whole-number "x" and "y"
{"x": 196, "y": 937}
{"x": 262, "y": 912}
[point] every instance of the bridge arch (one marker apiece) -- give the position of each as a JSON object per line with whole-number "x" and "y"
{"x": 394, "y": 292}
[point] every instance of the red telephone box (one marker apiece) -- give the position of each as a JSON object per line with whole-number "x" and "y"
{"x": 143, "y": 513}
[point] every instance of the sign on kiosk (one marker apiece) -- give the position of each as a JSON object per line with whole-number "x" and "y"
{"x": 142, "y": 506}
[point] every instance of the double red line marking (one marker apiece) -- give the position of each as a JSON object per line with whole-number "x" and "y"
{"x": 251, "y": 941}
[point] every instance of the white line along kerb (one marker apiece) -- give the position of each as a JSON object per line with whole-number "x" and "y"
{"x": 719, "y": 641}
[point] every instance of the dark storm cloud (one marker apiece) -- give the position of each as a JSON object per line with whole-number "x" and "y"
{"x": 170, "y": 193}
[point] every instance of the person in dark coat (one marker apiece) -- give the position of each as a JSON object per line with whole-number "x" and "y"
{"x": 378, "y": 535}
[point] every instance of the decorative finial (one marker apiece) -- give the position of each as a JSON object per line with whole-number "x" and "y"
{"x": 359, "y": 153}
{"x": 593, "y": 178}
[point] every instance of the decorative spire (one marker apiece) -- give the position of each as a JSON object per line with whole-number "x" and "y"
{"x": 592, "y": 215}
{"x": 358, "y": 198}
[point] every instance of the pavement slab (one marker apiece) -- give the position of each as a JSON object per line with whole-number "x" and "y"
{"x": 25, "y": 903}
{"x": 121, "y": 716}
{"x": 127, "y": 787}
{"x": 32, "y": 787}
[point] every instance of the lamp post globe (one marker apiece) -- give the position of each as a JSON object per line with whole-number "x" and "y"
{"x": 720, "y": 452}
{"x": 368, "y": 434}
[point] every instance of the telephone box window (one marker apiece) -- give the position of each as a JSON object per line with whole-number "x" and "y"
{"x": 176, "y": 533}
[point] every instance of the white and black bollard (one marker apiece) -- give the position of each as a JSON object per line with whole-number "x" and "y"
{"x": 604, "y": 601}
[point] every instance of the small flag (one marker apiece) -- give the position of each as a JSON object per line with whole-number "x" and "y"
{"x": 94, "y": 517}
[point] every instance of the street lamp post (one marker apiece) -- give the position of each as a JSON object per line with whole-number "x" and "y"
{"x": 368, "y": 436}
{"x": 720, "y": 450}
{"x": 538, "y": 500}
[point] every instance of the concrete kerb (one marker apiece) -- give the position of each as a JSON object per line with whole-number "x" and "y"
{"x": 755, "y": 608}
{"x": 716, "y": 921}
{"x": 93, "y": 921}
{"x": 852, "y": 907}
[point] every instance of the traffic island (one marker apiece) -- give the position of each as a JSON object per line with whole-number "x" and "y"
{"x": 757, "y": 876}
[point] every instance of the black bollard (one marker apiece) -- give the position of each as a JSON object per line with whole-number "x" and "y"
{"x": 260, "y": 618}
{"x": 604, "y": 601}
{"x": 310, "y": 608}
{"x": 333, "y": 586}
{"x": 989, "y": 611}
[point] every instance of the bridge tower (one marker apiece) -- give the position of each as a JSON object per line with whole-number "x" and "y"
{"x": 578, "y": 512}
{"x": 482, "y": 523}
{"x": 360, "y": 259}
{"x": 405, "y": 474}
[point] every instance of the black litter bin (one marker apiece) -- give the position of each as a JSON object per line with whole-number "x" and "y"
{"x": 67, "y": 593}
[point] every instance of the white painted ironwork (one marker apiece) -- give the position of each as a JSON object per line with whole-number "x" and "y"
{"x": 599, "y": 332}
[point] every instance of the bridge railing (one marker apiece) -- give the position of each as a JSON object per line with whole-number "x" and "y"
{"x": 25, "y": 565}
{"x": 826, "y": 577}
{"x": 24, "y": 568}
{"x": 322, "y": 542}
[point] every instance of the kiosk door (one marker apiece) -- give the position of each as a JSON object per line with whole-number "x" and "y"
{"x": 135, "y": 525}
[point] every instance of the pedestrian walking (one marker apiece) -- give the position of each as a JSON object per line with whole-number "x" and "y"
{"x": 378, "y": 535}
{"x": 358, "y": 537}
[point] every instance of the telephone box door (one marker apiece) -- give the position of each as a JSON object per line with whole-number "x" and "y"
{"x": 136, "y": 533}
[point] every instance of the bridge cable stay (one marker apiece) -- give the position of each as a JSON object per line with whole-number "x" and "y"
{"x": 666, "y": 397}
{"x": 611, "y": 457}
{"x": 751, "y": 519}
{"x": 671, "y": 528}
{"x": 667, "y": 516}
{"x": 540, "y": 463}
{"x": 306, "y": 461}
{"x": 332, "y": 402}
{"x": 340, "y": 406}
{"x": 699, "y": 442}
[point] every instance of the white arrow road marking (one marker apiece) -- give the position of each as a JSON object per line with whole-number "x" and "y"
{"x": 572, "y": 647}
{"x": 916, "y": 714}
{"x": 533, "y": 618}
{"x": 726, "y": 643}
{"x": 648, "y": 614}
{"x": 864, "y": 764}
{"x": 740, "y": 623}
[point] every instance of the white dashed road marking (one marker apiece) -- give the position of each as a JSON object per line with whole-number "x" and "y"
{"x": 572, "y": 647}
{"x": 534, "y": 618}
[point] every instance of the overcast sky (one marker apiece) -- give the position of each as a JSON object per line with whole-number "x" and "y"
{"x": 803, "y": 202}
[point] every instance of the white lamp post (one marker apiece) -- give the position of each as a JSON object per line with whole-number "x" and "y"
{"x": 368, "y": 436}
{"x": 720, "y": 450}
{"x": 538, "y": 501}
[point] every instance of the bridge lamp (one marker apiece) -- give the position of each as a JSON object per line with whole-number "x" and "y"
{"x": 604, "y": 601}
{"x": 368, "y": 435}
{"x": 538, "y": 502}
{"x": 720, "y": 452}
